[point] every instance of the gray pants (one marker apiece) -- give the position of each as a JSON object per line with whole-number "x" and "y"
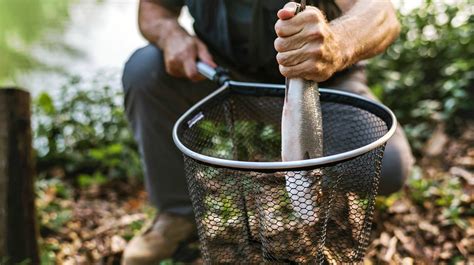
{"x": 154, "y": 101}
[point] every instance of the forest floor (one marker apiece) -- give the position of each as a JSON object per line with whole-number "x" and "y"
{"x": 431, "y": 221}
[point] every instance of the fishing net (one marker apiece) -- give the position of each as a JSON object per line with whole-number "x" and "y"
{"x": 270, "y": 214}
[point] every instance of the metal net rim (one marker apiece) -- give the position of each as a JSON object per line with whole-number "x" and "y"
{"x": 315, "y": 162}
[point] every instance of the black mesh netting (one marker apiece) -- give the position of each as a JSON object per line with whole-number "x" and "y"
{"x": 307, "y": 216}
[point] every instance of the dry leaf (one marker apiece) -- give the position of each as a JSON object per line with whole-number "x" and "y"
{"x": 429, "y": 228}
{"x": 117, "y": 244}
{"x": 392, "y": 248}
{"x": 436, "y": 143}
{"x": 461, "y": 172}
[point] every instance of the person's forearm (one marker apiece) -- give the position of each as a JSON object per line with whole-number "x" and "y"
{"x": 366, "y": 29}
{"x": 157, "y": 23}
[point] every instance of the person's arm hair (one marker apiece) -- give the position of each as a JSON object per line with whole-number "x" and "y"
{"x": 367, "y": 28}
{"x": 310, "y": 47}
{"x": 158, "y": 21}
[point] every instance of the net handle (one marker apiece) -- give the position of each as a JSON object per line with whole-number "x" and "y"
{"x": 218, "y": 74}
{"x": 221, "y": 76}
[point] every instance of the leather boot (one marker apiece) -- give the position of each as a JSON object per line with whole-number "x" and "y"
{"x": 160, "y": 241}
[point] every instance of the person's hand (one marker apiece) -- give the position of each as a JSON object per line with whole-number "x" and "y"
{"x": 180, "y": 54}
{"x": 306, "y": 46}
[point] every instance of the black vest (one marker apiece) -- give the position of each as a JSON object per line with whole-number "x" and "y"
{"x": 211, "y": 25}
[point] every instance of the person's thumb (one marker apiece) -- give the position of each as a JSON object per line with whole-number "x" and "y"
{"x": 288, "y": 11}
{"x": 203, "y": 54}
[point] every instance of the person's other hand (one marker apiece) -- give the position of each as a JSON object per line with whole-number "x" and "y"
{"x": 180, "y": 54}
{"x": 306, "y": 46}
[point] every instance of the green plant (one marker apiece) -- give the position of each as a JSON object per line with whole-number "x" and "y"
{"x": 82, "y": 130}
{"x": 26, "y": 26}
{"x": 446, "y": 193}
{"x": 427, "y": 76}
{"x": 245, "y": 140}
{"x": 48, "y": 252}
{"x": 85, "y": 181}
{"x": 54, "y": 211}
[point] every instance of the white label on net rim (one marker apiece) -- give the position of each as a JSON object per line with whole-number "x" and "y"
{"x": 195, "y": 119}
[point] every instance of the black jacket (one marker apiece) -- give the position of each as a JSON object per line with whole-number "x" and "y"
{"x": 211, "y": 26}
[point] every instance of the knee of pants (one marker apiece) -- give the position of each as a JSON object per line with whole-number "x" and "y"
{"x": 396, "y": 165}
{"x": 398, "y": 159}
{"x": 144, "y": 70}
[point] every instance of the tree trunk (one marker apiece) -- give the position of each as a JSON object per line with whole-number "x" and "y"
{"x": 18, "y": 230}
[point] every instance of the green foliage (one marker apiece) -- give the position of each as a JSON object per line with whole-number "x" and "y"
{"x": 245, "y": 141}
{"x": 428, "y": 74}
{"x": 22, "y": 25}
{"x": 85, "y": 181}
{"x": 4, "y": 260}
{"x": 48, "y": 255}
{"x": 446, "y": 193}
{"x": 223, "y": 206}
{"x": 54, "y": 214}
{"x": 83, "y": 131}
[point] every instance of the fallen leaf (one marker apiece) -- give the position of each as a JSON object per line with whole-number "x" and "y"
{"x": 398, "y": 207}
{"x": 423, "y": 225}
{"x": 445, "y": 255}
{"x": 438, "y": 140}
{"x": 470, "y": 152}
{"x": 461, "y": 172}
{"x": 392, "y": 248}
{"x": 117, "y": 244}
{"x": 407, "y": 261}
{"x": 384, "y": 239}
{"x": 461, "y": 248}
{"x": 408, "y": 243}
{"x": 467, "y": 161}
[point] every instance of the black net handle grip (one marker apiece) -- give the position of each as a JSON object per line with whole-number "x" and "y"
{"x": 300, "y": 7}
{"x": 219, "y": 75}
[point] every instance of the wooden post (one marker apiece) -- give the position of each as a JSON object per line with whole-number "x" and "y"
{"x": 18, "y": 230}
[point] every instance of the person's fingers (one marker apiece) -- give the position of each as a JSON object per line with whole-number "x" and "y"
{"x": 286, "y": 28}
{"x": 309, "y": 70}
{"x": 284, "y": 44}
{"x": 289, "y": 27}
{"x": 204, "y": 54}
{"x": 294, "y": 57}
{"x": 174, "y": 70}
{"x": 288, "y": 11}
{"x": 291, "y": 58}
{"x": 174, "y": 63}
{"x": 309, "y": 34}
{"x": 190, "y": 69}
{"x": 294, "y": 71}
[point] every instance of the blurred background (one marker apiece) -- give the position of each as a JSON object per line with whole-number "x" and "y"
{"x": 69, "y": 55}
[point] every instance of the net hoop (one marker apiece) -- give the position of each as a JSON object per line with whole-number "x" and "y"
{"x": 315, "y": 162}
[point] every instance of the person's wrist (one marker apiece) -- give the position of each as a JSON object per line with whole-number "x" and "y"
{"x": 170, "y": 31}
{"x": 345, "y": 47}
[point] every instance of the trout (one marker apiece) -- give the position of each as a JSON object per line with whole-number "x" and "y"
{"x": 302, "y": 138}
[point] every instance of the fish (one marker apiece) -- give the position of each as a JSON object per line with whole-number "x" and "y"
{"x": 302, "y": 138}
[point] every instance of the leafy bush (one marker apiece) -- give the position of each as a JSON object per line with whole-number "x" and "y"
{"x": 245, "y": 141}
{"x": 427, "y": 76}
{"x": 82, "y": 132}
